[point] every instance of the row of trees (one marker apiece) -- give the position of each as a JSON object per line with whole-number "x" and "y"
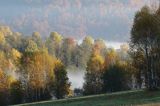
{"x": 145, "y": 52}
{"x": 139, "y": 70}
{"x": 66, "y": 49}
{"x": 39, "y": 64}
{"x": 28, "y": 72}
{"x": 34, "y": 69}
{"x": 107, "y": 74}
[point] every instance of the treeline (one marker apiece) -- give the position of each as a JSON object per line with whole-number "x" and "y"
{"x": 140, "y": 70}
{"x": 107, "y": 74}
{"x": 145, "y": 51}
{"x": 28, "y": 70}
{"x": 34, "y": 69}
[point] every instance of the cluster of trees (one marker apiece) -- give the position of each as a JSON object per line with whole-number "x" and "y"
{"x": 28, "y": 71}
{"x": 109, "y": 73}
{"x": 68, "y": 50}
{"x": 145, "y": 51}
{"x": 34, "y": 69}
{"x": 138, "y": 68}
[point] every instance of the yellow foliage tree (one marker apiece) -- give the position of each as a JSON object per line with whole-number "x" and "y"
{"x": 2, "y": 38}
{"x": 38, "y": 68}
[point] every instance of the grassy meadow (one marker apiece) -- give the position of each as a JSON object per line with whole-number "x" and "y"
{"x": 127, "y": 98}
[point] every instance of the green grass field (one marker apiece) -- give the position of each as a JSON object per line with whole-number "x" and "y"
{"x": 127, "y": 98}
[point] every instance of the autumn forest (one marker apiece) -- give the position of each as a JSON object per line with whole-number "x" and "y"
{"x": 35, "y": 68}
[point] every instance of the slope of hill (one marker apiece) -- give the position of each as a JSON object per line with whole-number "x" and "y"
{"x": 127, "y": 98}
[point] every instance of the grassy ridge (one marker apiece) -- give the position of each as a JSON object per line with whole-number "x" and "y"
{"x": 113, "y": 99}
